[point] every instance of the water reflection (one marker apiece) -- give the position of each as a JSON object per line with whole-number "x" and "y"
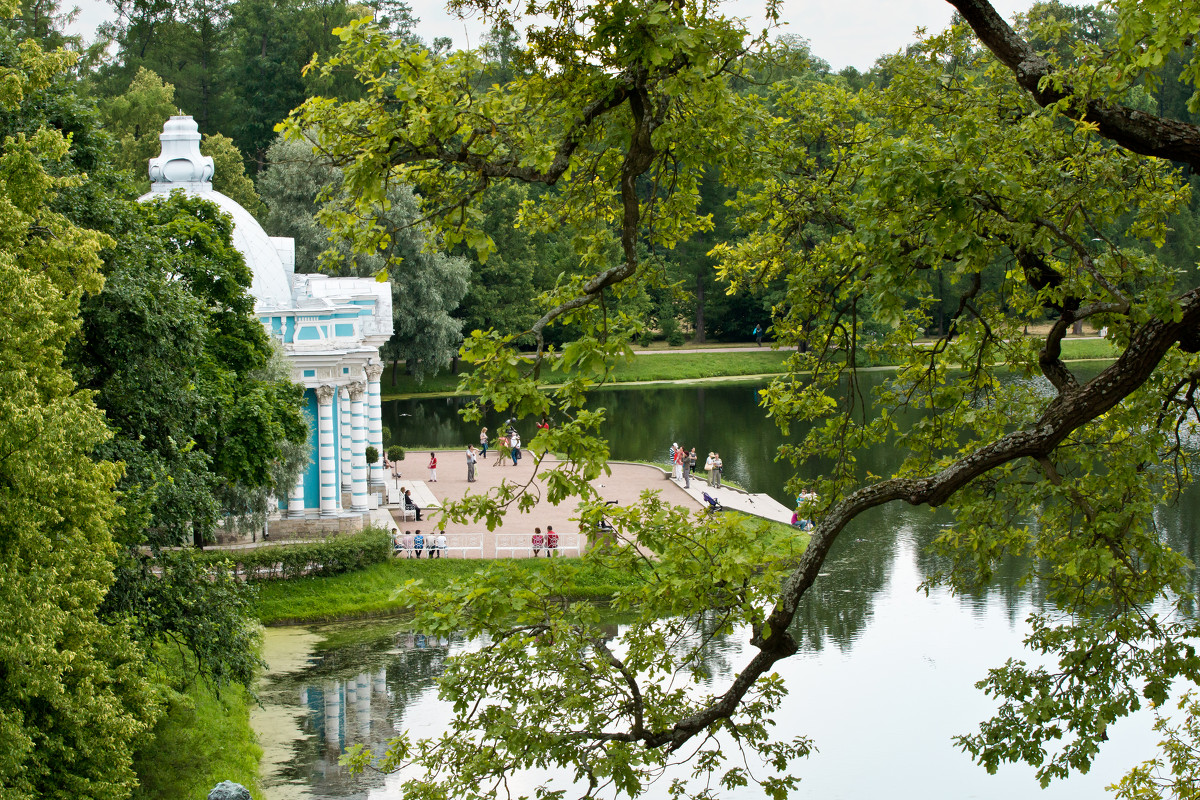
{"x": 358, "y": 686}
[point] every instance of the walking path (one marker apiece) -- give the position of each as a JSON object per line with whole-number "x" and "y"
{"x": 512, "y": 537}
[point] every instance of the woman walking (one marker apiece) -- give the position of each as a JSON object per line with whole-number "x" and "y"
{"x": 483, "y": 443}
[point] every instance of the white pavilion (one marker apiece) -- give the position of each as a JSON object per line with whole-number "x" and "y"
{"x": 331, "y": 330}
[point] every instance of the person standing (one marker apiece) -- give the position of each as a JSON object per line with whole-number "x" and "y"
{"x": 537, "y": 542}
{"x": 688, "y": 462}
{"x": 483, "y": 443}
{"x": 677, "y": 457}
{"x": 433, "y": 468}
{"x": 718, "y": 465}
{"x": 470, "y": 464}
{"x": 516, "y": 447}
{"x": 551, "y": 541}
{"x": 758, "y": 334}
{"x": 708, "y": 467}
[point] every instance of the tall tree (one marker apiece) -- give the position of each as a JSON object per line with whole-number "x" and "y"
{"x": 75, "y": 693}
{"x": 851, "y": 199}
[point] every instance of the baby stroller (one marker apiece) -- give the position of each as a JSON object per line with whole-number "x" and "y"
{"x": 714, "y": 505}
{"x": 604, "y": 526}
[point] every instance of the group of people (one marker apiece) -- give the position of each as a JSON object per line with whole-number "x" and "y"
{"x": 509, "y": 447}
{"x": 683, "y": 462}
{"x": 412, "y": 545}
{"x": 549, "y": 542}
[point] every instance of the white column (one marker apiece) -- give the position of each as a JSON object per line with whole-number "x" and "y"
{"x": 344, "y": 435}
{"x": 295, "y": 509}
{"x": 358, "y": 444}
{"x": 375, "y": 422}
{"x": 362, "y": 706}
{"x": 333, "y": 714}
{"x": 326, "y": 452}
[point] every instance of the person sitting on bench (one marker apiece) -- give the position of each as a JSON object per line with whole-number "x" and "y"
{"x": 408, "y": 503}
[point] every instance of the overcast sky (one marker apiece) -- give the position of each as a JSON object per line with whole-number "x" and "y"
{"x": 847, "y": 33}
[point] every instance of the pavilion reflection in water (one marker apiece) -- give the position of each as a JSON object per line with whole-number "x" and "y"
{"x": 362, "y": 694}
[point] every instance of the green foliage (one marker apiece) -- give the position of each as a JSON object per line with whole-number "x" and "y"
{"x": 395, "y": 453}
{"x": 426, "y": 284}
{"x": 372, "y": 454}
{"x": 331, "y": 556}
{"x": 941, "y": 200}
{"x": 75, "y": 693}
{"x": 202, "y": 738}
{"x": 377, "y": 589}
{"x": 545, "y": 708}
{"x": 203, "y": 411}
{"x": 135, "y": 118}
{"x": 229, "y": 173}
{"x": 189, "y": 603}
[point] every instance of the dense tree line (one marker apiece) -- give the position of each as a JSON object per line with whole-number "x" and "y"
{"x": 143, "y": 407}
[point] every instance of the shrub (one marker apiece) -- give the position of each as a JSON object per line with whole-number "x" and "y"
{"x": 331, "y": 556}
{"x": 646, "y": 339}
{"x": 676, "y": 338}
{"x": 395, "y": 453}
{"x": 372, "y": 454}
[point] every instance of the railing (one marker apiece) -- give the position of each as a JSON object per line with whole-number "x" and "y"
{"x": 519, "y": 545}
{"x": 458, "y": 545}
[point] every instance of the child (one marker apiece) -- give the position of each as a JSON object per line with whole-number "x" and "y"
{"x": 538, "y": 541}
{"x": 432, "y": 468}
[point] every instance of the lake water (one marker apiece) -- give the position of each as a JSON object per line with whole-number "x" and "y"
{"x": 885, "y": 676}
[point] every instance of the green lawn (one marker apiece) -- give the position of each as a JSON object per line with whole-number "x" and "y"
{"x": 202, "y": 740}
{"x": 375, "y": 591}
{"x": 684, "y": 365}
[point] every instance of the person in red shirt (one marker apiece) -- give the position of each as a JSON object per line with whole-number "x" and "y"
{"x": 432, "y": 468}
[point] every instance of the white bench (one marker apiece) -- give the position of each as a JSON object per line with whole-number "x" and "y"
{"x": 519, "y": 545}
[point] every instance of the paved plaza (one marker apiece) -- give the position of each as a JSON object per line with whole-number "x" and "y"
{"x": 512, "y": 538}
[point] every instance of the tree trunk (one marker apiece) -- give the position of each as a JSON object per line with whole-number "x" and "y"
{"x": 699, "y": 336}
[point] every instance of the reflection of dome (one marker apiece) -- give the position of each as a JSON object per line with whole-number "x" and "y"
{"x": 180, "y": 166}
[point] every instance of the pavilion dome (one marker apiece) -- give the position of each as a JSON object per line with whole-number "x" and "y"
{"x": 181, "y": 166}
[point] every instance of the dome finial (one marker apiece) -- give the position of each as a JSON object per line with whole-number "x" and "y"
{"x": 180, "y": 164}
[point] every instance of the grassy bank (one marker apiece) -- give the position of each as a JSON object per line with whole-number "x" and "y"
{"x": 202, "y": 740}
{"x": 690, "y": 365}
{"x": 676, "y": 366}
{"x": 374, "y": 591}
